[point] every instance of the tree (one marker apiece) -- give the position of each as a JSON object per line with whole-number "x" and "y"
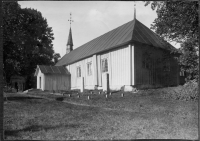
{"x": 27, "y": 41}
{"x": 10, "y": 23}
{"x": 56, "y": 57}
{"x": 178, "y": 21}
{"x": 189, "y": 59}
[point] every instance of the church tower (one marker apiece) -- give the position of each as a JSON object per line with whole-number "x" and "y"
{"x": 70, "y": 40}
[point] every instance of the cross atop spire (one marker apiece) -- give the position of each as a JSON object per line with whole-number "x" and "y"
{"x": 134, "y": 10}
{"x": 70, "y": 40}
{"x": 70, "y": 19}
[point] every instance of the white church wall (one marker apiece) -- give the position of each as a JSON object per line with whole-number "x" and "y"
{"x": 119, "y": 67}
{"x": 88, "y": 79}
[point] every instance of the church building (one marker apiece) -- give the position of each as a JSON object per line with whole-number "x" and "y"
{"x": 129, "y": 56}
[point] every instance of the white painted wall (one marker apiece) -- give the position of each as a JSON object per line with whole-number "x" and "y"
{"x": 88, "y": 79}
{"x": 119, "y": 69}
{"x": 40, "y": 74}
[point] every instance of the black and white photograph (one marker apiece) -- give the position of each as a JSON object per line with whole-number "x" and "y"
{"x": 100, "y": 70}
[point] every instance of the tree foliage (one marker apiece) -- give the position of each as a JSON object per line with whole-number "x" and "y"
{"x": 56, "y": 57}
{"x": 27, "y": 40}
{"x": 189, "y": 59}
{"x": 178, "y": 21}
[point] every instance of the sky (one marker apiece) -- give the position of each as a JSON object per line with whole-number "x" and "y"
{"x": 91, "y": 18}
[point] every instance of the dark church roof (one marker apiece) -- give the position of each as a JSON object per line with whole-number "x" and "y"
{"x": 51, "y": 70}
{"x": 70, "y": 41}
{"x": 133, "y": 31}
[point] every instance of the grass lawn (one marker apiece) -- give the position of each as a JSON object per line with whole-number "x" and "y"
{"x": 134, "y": 116}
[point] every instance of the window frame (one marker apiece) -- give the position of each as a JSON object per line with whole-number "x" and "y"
{"x": 78, "y": 71}
{"x": 89, "y": 68}
{"x": 104, "y": 68}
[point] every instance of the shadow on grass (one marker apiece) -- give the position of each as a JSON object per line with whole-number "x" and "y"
{"x": 36, "y": 128}
{"x": 20, "y": 98}
{"x": 83, "y": 108}
{"x": 60, "y": 98}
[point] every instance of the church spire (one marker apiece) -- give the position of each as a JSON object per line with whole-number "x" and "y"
{"x": 70, "y": 40}
{"x": 134, "y": 11}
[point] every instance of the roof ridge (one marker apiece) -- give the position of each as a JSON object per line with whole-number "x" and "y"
{"x": 107, "y": 32}
{"x": 102, "y": 35}
{"x": 132, "y": 31}
{"x": 147, "y": 29}
{"x": 158, "y": 37}
{"x": 136, "y": 30}
{"x": 78, "y": 48}
{"x": 133, "y": 28}
{"x": 44, "y": 68}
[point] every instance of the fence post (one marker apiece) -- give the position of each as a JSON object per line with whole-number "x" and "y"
{"x": 105, "y": 82}
{"x": 82, "y": 84}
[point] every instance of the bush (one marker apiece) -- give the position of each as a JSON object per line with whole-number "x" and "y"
{"x": 187, "y": 92}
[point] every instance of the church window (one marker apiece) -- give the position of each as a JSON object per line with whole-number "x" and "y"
{"x": 89, "y": 68}
{"x": 78, "y": 71}
{"x": 104, "y": 64}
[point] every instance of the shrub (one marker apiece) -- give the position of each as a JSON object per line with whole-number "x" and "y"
{"x": 187, "y": 92}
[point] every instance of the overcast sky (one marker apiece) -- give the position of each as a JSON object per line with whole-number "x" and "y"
{"x": 91, "y": 18}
